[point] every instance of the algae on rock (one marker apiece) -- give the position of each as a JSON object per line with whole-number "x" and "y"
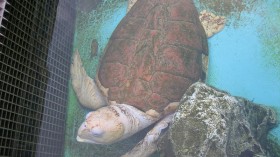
{"x": 213, "y": 123}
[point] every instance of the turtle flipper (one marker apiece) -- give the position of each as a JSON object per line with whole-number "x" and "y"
{"x": 148, "y": 145}
{"x": 211, "y": 23}
{"x": 84, "y": 86}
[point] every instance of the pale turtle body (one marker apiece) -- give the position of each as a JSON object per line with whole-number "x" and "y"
{"x": 152, "y": 57}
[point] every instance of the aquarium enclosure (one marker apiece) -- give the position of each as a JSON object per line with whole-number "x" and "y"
{"x": 139, "y": 78}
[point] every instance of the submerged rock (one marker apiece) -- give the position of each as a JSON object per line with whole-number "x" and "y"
{"x": 213, "y": 123}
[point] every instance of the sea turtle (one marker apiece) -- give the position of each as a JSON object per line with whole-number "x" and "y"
{"x": 152, "y": 57}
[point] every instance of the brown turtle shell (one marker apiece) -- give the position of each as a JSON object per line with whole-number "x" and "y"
{"x": 154, "y": 54}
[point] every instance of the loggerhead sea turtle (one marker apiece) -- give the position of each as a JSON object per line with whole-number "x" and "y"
{"x": 152, "y": 57}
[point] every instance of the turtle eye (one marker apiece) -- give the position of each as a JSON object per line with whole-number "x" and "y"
{"x": 84, "y": 125}
{"x": 97, "y": 132}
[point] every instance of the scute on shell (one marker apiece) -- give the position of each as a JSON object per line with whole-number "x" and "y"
{"x": 154, "y": 54}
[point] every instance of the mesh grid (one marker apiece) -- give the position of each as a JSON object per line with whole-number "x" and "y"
{"x": 35, "y": 50}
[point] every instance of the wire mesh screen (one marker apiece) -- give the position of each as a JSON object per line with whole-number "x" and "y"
{"x": 35, "y": 54}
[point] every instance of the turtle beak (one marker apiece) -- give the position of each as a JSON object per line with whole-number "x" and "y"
{"x": 84, "y": 134}
{"x": 81, "y": 132}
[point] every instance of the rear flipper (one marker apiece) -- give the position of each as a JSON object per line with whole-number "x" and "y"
{"x": 148, "y": 145}
{"x": 85, "y": 88}
{"x": 212, "y": 25}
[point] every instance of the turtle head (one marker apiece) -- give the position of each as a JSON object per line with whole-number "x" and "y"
{"x": 101, "y": 127}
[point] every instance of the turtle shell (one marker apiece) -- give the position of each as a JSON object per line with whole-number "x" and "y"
{"x": 154, "y": 54}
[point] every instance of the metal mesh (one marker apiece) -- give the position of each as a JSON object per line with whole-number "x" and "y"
{"x": 35, "y": 52}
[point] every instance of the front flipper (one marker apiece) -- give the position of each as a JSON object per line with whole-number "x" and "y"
{"x": 211, "y": 23}
{"x": 85, "y": 88}
{"x": 148, "y": 145}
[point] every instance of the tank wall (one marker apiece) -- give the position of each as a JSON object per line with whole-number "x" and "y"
{"x": 243, "y": 59}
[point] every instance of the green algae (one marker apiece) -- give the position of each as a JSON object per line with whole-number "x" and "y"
{"x": 269, "y": 34}
{"x": 273, "y": 146}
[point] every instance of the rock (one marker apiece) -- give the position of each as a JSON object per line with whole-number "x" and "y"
{"x": 273, "y": 145}
{"x": 213, "y": 123}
